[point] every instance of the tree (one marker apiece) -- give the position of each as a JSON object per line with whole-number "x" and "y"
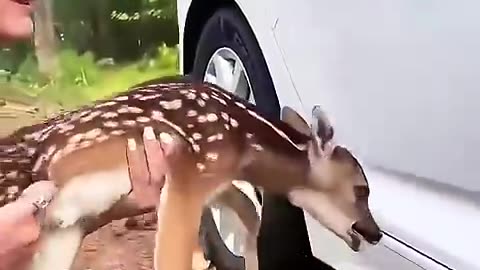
{"x": 45, "y": 38}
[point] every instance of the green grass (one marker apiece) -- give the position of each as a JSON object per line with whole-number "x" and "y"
{"x": 81, "y": 80}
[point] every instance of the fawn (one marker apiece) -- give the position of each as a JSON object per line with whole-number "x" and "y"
{"x": 219, "y": 138}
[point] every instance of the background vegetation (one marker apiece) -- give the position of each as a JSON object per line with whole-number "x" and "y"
{"x": 87, "y": 50}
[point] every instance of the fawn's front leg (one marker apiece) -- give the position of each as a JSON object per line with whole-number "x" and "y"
{"x": 58, "y": 248}
{"x": 179, "y": 213}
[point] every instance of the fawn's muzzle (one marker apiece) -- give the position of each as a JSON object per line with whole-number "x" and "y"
{"x": 368, "y": 229}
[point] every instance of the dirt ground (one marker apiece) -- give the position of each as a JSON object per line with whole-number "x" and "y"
{"x": 116, "y": 247}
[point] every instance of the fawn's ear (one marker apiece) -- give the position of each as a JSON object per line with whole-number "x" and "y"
{"x": 321, "y": 126}
{"x": 291, "y": 117}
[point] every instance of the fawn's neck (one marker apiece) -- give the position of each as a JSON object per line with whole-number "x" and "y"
{"x": 277, "y": 172}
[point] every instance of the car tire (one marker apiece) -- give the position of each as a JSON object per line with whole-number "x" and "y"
{"x": 283, "y": 239}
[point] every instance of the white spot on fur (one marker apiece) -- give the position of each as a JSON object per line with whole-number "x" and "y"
{"x": 249, "y": 135}
{"x": 212, "y": 138}
{"x": 201, "y": 102}
{"x": 110, "y": 124}
{"x": 50, "y": 150}
{"x": 65, "y": 128}
{"x": 241, "y": 105}
{"x": 10, "y": 150}
{"x": 191, "y": 96}
{"x": 76, "y": 138}
{"x": 108, "y": 115}
{"x": 12, "y": 190}
{"x": 211, "y": 156}
{"x": 192, "y": 113}
{"x": 33, "y": 136}
{"x": 85, "y": 144}
{"x": 233, "y": 122}
{"x": 225, "y": 116}
{"x": 205, "y": 96}
{"x": 121, "y": 98}
{"x": 117, "y": 132}
{"x": 146, "y": 90}
{"x": 211, "y": 117}
{"x": 227, "y": 126}
{"x": 11, "y": 175}
{"x": 134, "y": 110}
{"x": 155, "y": 96}
{"x": 90, "y": 116}
{"x": 143, "y": 119}
{"x": 129, "y": 123}
{"x": 38, "y": 163}
{"x": 123, "y": 109}
{"x": 102, "y": 138}
{"x": 31, "y": 151}
{"x": 257, "y": 147}
{"x": 222, "y": 101}
{"x": 201, "y": 119}
{"x": 157, "y": 115}
{"x": 197, "y": 136}
{"x": 171, "y": 105}
{"x": 196, "y": 148}
{"x": 190, "y": 126}
{"x": 92, "y": 134}
{"x": 201, "y": 167}
{"x": 106, "y": 104}
{"x": 24, "y": 161}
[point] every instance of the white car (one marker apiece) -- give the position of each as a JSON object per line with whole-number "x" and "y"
{"x": 400, "y": 81}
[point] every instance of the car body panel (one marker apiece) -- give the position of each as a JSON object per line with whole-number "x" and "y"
{"x": 398, "y": 80}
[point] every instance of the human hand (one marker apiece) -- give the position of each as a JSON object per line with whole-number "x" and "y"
{"x": 15, "y": 20}
{"x": 147, "y": 167}
{"x": 19, "y": 229}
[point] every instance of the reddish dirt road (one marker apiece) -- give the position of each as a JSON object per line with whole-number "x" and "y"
{"x": 114, "y": 247}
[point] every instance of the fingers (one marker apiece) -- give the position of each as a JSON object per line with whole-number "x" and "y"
{"x": 138, "y": 172}
{"x": 155, "y": 158}
{"x": 39, "y": 190}
{"x": 148, "y": 165}
{"x": 138, "y": 168}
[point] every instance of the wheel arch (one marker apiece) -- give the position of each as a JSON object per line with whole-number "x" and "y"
{"x": 197, "y": 16}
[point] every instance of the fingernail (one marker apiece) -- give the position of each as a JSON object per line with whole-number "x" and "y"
{"x": 132, "y": 145}
{"x": 166, "y": 138}
{"x": 149, "y": 134}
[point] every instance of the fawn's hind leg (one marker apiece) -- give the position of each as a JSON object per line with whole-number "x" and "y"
{"x": 58, "y": 248}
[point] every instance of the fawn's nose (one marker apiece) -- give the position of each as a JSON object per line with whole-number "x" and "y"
{"x": 368, "y": 229}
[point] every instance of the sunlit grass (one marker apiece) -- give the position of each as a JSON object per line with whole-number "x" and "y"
{"x": 82, "y": 81}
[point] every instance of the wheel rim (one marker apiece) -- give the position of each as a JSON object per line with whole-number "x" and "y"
{"x": 226, "y": 70}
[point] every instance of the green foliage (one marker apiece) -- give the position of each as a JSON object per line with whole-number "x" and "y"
{"x": 105, "y": 46}
{"x": 80, "y": 70}
{"x": 82, "y": 80}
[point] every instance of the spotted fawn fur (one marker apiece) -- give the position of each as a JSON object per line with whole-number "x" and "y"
{"x": 220, "y": 138}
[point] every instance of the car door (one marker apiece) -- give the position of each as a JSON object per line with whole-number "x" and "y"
{"x": 399, "y": 80}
